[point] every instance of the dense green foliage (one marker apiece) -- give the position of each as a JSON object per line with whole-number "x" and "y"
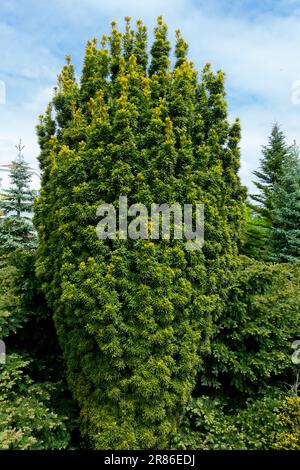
{"x": 26, "y": 422}
{"x": 289, "y": 420}
{"x": 267, "y": 423}
{"x": 32, "y": 389}
{"x": 251, "y": 347}
{"x": 31, "y": 383}
{"x": 134, "y": 317}
{"x": 240, "y": 401}
{"x": 210, "y": 425}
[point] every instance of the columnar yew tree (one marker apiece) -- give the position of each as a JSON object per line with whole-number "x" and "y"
{"x": 135, "y": 316}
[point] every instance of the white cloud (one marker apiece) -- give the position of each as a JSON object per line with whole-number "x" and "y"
{"x": 23, "y": 56}
{"x": 19, "y": 121}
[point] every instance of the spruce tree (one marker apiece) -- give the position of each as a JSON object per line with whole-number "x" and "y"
{"x": 271, "y": 170}
{"x": 285, "y": 231}
{"x": 16, "y": 228}
{"x": 134, "y": 317}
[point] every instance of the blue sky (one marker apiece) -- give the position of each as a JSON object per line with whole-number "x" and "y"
{"x": 256, "y": 43}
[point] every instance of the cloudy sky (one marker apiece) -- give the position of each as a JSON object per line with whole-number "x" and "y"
{"x": 256, "y": 43}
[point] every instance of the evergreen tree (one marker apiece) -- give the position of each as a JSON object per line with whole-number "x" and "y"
{"x": 19, "y": 197}
{"x": 285, "y": 231}
{"x": 271, "y": 170}
{"x": 134, "y": 317}
{"x": 16, "y": 228}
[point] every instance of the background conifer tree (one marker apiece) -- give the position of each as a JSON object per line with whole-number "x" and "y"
{"x": 285, "y": 230}
{"x": 16, "y": 228}
{"x": 271, "y": 170}
{"x": 260, "y": 214}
